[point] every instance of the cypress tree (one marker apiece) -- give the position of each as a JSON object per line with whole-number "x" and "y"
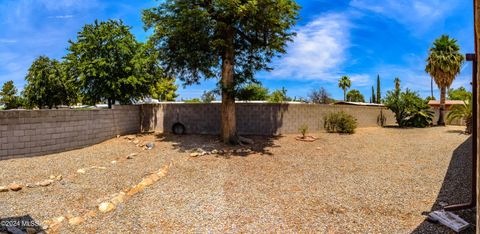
{"x": 379, "y": 95}
{"x": 373, "y": 100}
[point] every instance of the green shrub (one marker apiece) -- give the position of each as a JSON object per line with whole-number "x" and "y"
{"x": 340, "y": 122}
{"x": 381, "y": 119}
{"x": 410, "y": 110}
{"x": 303, "y": 130}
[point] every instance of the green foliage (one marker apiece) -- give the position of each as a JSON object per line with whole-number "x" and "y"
{"x": 429, "y": 98}
{"x": 303, "y": 130}
{"x": 379, "y": 93}
{"x": 320, "y": 96}
{"x": 464, "y": 112}
{"x": 459, "y": 94}
{"x": 397, "y": 84}
{"x": 410, "y": 110}
{"x": 278, "y": 96}
{"x": 208, "y": 96}
{"x": 344, "y": 83}
{"x": 340, "y": 122}
{"x": 444, "y": 61}
{"x": 252, "y": 92}
{"x": 111, "y": 65}
{"x": 354, "y": 95}
{"x": 373, "y": 98}
{"x": 48, "y": 84}
{"x": 194, "y": 36}
{"x": 164, "y": 90}
{"x": 193, "y": 100}
{"x": 8, "y": 96}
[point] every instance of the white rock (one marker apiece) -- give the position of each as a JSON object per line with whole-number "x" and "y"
{"x": 45, "y": 183}
{"x": 194, "y": 154}
{"x": 3, "y": 189}
{"x": 76, "y": 220}
{"x": 105, "y": 207}
{"x": 113, "y": 162}
{"x": 81, "y": 171}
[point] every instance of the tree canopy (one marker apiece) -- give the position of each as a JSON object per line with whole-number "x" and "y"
{"x": 215, "y": 38}
{"x": 111, "y": 65}
{"x": 459, "y": 94}
{"x": 48, "y": 84}
{"x": 344, "y": 83}
{"x": 8, "y": 95}
{"x": 320, "y": 96}
{"x": 354, "y": 95}
{"x": 278, "y": 96}
{"x": 164, "y": 90}
{"x": 443, "y": 64}
{"x": 252, "y": 92}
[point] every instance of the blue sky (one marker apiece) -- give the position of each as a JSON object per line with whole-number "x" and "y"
{"x": 358, "y": 38}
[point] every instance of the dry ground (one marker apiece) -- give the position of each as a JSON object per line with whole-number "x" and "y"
{"x": 375, "y": 181}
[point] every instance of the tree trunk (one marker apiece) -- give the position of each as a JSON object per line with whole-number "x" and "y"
{"x": 109, "y": 103}
{"x": 431, "y": 86}
{"x": 344, "y": 95}
{"x": 441, "y": 117}
{"x": 229, "y": 122}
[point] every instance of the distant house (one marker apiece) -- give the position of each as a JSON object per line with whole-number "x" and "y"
{"x": 435, "y": 104}
{"x": 358, "y": 104}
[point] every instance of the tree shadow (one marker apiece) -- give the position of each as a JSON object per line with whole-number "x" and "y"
{"x": 20, "y": 224}
{"x": 455, "y": 190}
{"x": 208, "y": 143}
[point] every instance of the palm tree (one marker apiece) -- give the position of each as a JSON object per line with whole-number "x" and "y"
{"x": 464, "y": 112}
{"x": 397, "y": 83}
{"x": 344, "y": 83}
{"x": 443, "y": 64}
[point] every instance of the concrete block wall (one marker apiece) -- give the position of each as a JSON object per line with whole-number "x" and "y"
{"x": 253, "y": 118}
{"x": 26, "y": 133}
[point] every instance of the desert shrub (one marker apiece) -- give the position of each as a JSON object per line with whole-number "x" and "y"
{"x": 303, "y": 130}
{"x": 381, "y": 119}
{"x": 410, "y": 110}
{"x": 340, "y": 122}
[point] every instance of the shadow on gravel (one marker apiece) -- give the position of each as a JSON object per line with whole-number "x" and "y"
{"x": 190, "y": 143}
{"x": 455, "y": 189}
{"x": 20, "y": 224}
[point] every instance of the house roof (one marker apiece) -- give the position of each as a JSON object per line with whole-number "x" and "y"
{"x": 447, "y": 102}
{"x": 358, "y": 103}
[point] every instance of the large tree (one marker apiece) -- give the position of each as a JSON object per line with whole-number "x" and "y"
{"x": 216, "y": 38}
{"x": 320, "y": 96}
{"x": 8, "y": 95}
{"x": 164, "y": 90}
{"x": 48, "y": 84}
{"x": 111, "y": 65}
{"x": 354, "y": 95}
{"x": 379, "y": 93}
{"x": 443, "y": 64}
{"x": 344, "y": 83}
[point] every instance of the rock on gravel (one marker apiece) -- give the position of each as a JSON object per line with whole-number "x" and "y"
{"x": 105, "y": 207}
{"x": 3, "y": 189}
{"x": 45, "y": 183}
{"x": 15, "y": 187}
{"x": 76, "y": 220}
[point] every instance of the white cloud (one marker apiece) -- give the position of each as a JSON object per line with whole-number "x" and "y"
{"x": 61, "y": 17}
{"x": 416, "y": 15}
{"x": 318, "y": 51}
{"x": 7, "y": 41}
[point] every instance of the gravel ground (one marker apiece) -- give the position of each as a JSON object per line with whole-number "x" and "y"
{"x": 375, "y": 181}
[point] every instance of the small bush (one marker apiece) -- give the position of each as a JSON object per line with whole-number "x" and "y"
{"x": 303, "y": 130}
{"x": 340, "y": 122}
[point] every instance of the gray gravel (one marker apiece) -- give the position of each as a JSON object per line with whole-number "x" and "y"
{"x": 375, "y": 181}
